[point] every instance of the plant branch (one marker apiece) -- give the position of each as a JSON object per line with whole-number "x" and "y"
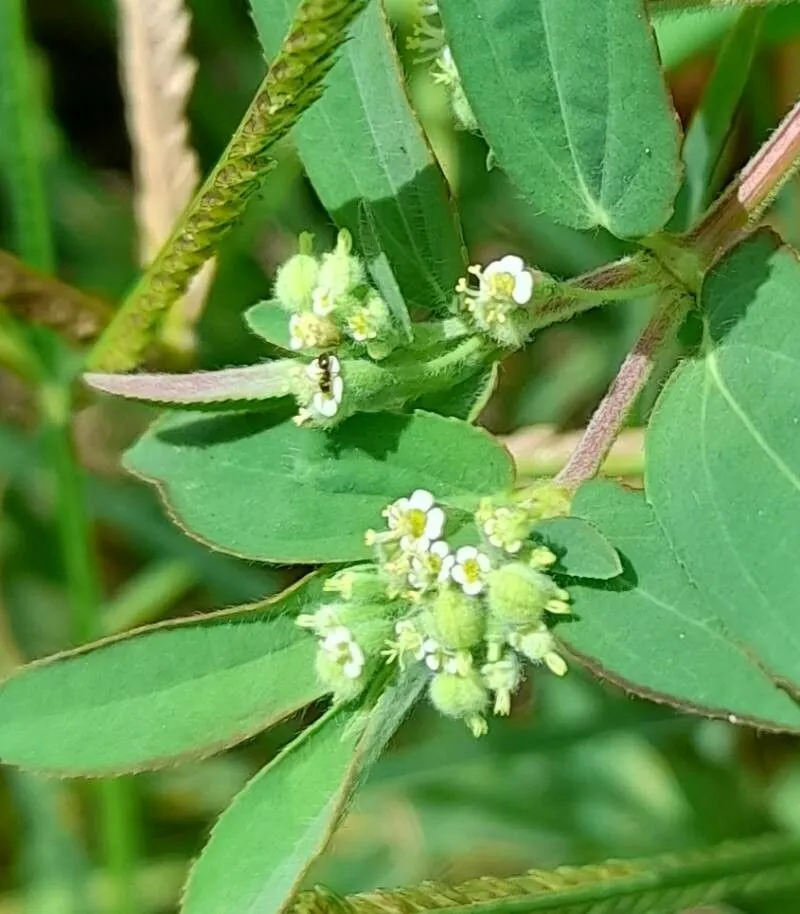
{"x": 606, "y": 423}
{"x": 293, "y": 83}
{"x": 739, "y": 209}
{"x": 740, "y": 870}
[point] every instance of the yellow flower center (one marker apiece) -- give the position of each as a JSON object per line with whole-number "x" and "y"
{"x": 415, "y": 522}
{"x": 472, "y": 570}
{"x": 501, "y": 285}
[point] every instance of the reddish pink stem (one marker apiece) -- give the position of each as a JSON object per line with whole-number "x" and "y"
{"x": 741, "y": 206}
{"x": 606, "y": 423}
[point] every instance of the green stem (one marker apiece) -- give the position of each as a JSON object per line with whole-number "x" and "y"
{"x": 21, "y": 134}
{"x": 672, "y": 882}
{"x": 116, "y": 799}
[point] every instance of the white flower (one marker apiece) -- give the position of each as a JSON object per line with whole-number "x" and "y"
{"x": 416, "y": 519}
{"x": 539, "y": 645}
{"x": 321, "y": 622}
{"x": 506, "y": 528}
{"x": 308, "y": 331}
{"x": 322, "y": 301}
{"x": 343, "y": 650}
{"x": 431, "y": 566}
{"x": 508, "y": 278}
{"x": 410, "y": 642}
{"x": 438, "y": 659}
{"x": 327, "y": 376}
{"x": 470, "y": 569}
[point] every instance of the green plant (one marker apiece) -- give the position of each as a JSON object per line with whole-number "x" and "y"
{"x": 355, "y": 451}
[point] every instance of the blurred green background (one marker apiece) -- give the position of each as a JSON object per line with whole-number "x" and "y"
{"x": 581, "y": 772}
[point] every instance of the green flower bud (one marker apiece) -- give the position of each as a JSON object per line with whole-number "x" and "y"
{"x": 341, "y": 272}
{"x": 459, "y": 696}
{"x": 457, "y": 621}
{"x": 539, "y": 646}
{"x": 359, "y": 583}
{"x": 518, "y": 594}
{"x": 295, "y": 282}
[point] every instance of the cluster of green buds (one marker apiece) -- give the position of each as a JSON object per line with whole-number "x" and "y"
{"x": 469, "y": 615}
{"x": 331, "y": 302}
{"x": 430, "y": 45}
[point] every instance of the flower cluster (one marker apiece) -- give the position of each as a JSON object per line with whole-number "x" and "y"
{"x": 330, "y": 300}
{"x": 470, "y": 615}
{"x": 498, "y": 305}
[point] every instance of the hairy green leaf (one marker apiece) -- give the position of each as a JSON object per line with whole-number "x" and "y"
{"x": 582, "y": 551}
{"x": 168, "y": 692}
{"x": 723, "y": 447}
{"x": 269, "y": 321}
{"x": 369, "y": 162}
{"x": 654, "y": 632}
{"x": 570, "y": 98}
{"x": 258, "y": 487}
{"x": 265, "y": 841}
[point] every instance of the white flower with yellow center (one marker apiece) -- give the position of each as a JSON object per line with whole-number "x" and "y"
{"x": 308, "y": 331}
{"x": 343, "y": 650}
{"x": 410, "y": 642}
{"x": 415, "y": 520}
{"x": 430, "y": 566}
{"x": 470, "y": 569}
{"x": 325, "y": 372}
{"x": 506, "y": 528}
{"x": 362, "y": 325}
{"x": 539, "y": 646}
{"x": 507, "y": 278}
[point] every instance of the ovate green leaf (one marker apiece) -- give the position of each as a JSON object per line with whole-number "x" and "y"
{"x": 370, "y": 164}
{"x": 269, "y": 321}
{"x": 167, "y": 692}
{"x": 723, "y": 447}
{"x": 264, "y": 489}
{"x": 569, "y": 96}
{"x": 582, "y": 551}
{"x": 266, "y": 840}
{"x": 657, "y": 634}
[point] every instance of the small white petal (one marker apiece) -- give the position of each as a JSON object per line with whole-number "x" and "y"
{"x": 472, "y": 588}
{"x": 414, "y": 543}
{"x": 465, "y": 553}
{"x": 295, "y": 342}
{"x": 334, "y": 366}
{"x": 556, "y": 663}
{"x": 434, "y": 523}
{"x": 483, "y": 562}
{"x": 441, "y": 549}
{"x": 352, "y": 669}
{"x": 337, "y": 389}
{"x": 313, "y": 372}
{"x": 512, "y": 264}
{"x": 514, "y": 547}
{"x": 430, "y": 646}
{"x": 523, "y": 289}
{"x": 421, "y": 499}
{"x": 433, "y": 662}
{"x": 447, "y": 566}
{"x": 325, "y": 406}
{"x": 458, "y": 575}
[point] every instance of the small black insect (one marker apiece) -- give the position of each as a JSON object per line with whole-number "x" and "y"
{"x": 325, "y": 378}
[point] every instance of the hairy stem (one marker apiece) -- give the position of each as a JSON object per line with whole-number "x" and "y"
{"x": 293, "y": 83}
{"x": 744, "y": 202}
{"x": 21, "y": 141}
{"x": 606, "y": 423}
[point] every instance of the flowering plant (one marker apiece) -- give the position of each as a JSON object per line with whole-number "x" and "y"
{"x": 354, "y": 451}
